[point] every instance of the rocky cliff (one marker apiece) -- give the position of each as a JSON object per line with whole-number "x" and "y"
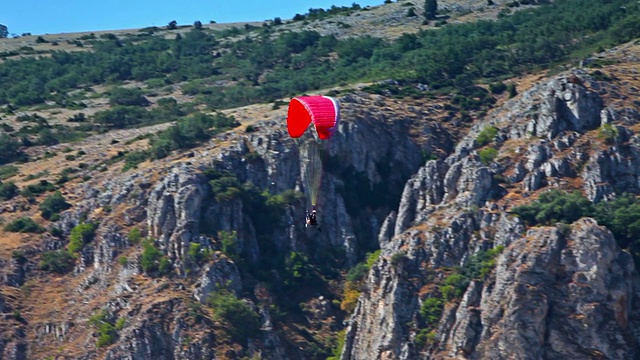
{"x": 203, "y": 255}
{"x": 558, "y": 292}
{"x": 166, "y": 239}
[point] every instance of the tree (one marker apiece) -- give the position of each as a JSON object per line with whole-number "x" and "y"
{"x": 197, "y": 25}
{"x": 9, "y": 149}
{"x": 242, "y": 321}
{"x": 8, "y": 190}
{"x": 430, "y": 9}
{"x": 4, "y": 32}
{"x": 80, "y": 235}
{"x": 128, "y": 97}
{"x": 53, "y": 204}
{"x": 172, "y": 25}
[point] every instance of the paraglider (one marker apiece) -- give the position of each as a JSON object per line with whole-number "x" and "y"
{"x": 324, "y": 113}
{"x": 311, "y": 218}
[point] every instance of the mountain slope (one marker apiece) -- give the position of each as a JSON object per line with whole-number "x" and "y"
{"x": 542, "y": 292}
{"x": 425, "y": 250}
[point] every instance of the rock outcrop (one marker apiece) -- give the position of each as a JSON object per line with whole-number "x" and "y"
{"x": 555, "y": 292}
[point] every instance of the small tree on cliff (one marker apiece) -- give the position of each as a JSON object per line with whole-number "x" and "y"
{"x": 430, "y": 9}
{"x": 4, "y": 31}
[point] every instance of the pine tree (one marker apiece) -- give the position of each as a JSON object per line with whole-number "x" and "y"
{"x": 430, "y": 9}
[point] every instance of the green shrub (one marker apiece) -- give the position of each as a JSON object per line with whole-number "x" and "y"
{"x": 56, "y": 261}
{"x": 488, "y": 155}
{"x": 397, "y": 258}
{"x": 431, "y": 310}
{"x": 122, "y": 260}
{"x": 8, "y": 190}
{"x": 19, "y": 257}
{"x": 53, "y": 204}
{"x": 24, "y": 225}
{"x": 80, "y": 235}
{"x": 622, "y": 217}
{"x": 106, "y": 331}
{"x": 229, "y": 242}
{"x": 7, "y": 171}
{"x": 226, "y": 188}
{"x": 36, "y": 175}
{"x": 164, "y": 266}
{"x": 9, "y": 150}
{"x": 424, "y": 337}
{"x": 197, "y": 253}
{"x": 134, "y": 235}
{"x": 120, "y": 117}
{"x": 297, "y": 270}
{"x": 555, "y": 206}
{"x": 62, "y": 179}
{"x": 133, "y": 159}
{"x": 189, "y": 132}
{"x": 454, "y": 286}
{"x": 120, "y": 323}
{"x": 497, "y": 88}
{"x": 37, "y": 189}
{"x": 127, "y": 97}
{"x": 372, "y": 258}
{"x": 152, "y": 260}
{"x": 242, "y": 320}
{"x": 608, "y": 133}
{"x": 339, "y": 341}
{"x": 482, "y": 263}
{"x": 487, "y": 135}
{"x": 357, "y": 273}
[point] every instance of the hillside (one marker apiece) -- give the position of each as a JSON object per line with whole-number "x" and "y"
{"x": 153, "y": 209}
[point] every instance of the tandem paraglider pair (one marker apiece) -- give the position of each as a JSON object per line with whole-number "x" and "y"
{"x": 324, "y": 113}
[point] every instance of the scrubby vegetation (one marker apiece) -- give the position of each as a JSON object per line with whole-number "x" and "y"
{"x": 242, "y": 322}
{"x": 81, "y": 234}
{"x": 487, "y": 135}
{"x": 266, "y": 67}
{"x": 354, "y": 281}
{"x": 106, "y": 327}
{"x": 52, "y": 205}
{"x": 453, "y": 287}
{"x": 56, "y": 261}
{"x": 38, "y": 188}
{"x": 24, "y": 225}
{"x": 621, "y": 215}
{"x": 487, "y": 155}
{"x": 153, "y": 262}
{"x": 8, "y": 190}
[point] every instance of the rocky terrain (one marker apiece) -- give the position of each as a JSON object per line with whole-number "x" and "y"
{"x": 555, "y": 292}
{"x": 401, "y": 176}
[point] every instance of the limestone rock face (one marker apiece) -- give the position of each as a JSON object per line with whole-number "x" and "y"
{"x": 559, "y": 290}
{"x": 565, "y": 291}
{"x": 221, "y": 275}
{"x": 173, "y": 212}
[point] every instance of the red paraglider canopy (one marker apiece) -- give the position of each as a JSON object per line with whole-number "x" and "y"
{"x": 323, "y": 111}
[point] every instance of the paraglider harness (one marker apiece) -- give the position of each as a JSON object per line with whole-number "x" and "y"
{"x": 311, "y": 218}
